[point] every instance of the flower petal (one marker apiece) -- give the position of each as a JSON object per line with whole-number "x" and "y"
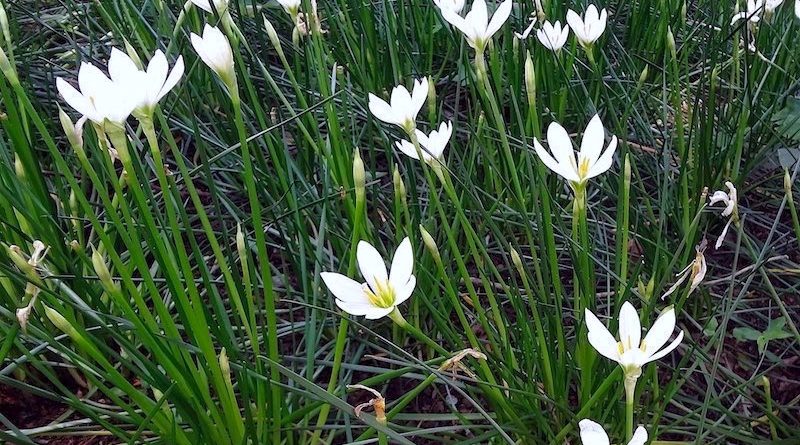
{"x": 403, "y": 293}
{"x": 75, "y": 99}
{"x": 606, "y": 160}
{"x": 666, "y": 350}
{"x": 660, "y": 332}
{"x": 173, "y": 79}
{"x": 592, "y": 433}
{"x": 630, "y": 329}
{"x": 639, "y": 436}
{"x": 500, "y": 16}
{"x": 407, "y": 148}
{"x": 560, "y": 144}
{"x": 375, "y": 313}
{"x": 343, "y": 287}
{"x": 371, "y": 265}
{"x": 593, "y": 140}
{"x": 120, "y": 65}
{"x": 600, "y": 338}
{"x": 402, "y": 264}
{"x": 419, "y": 94}
{"x": 382, "y": 110}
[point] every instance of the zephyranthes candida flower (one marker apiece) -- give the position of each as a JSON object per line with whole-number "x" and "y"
{"x": 220, "y": 6}
{"x": 755, "y": 9}
{"x": 553, "y": 36}
{"x": 432, "y": 145}
{"x": 594, "y": 434}
{"x": 453, "y": 5}
{"x": 631, "y": 352}
{"x": 591, "y": 161}
{"x": 696, "y": 271}
{"x": 149, "y": 86}
{"x": 292, "y": 7}
{"x": 100, "y": 98}
{"x": 731, "y": 209}
{"x": 215, "y": 50}
{"x": 476, "y": 26}
{"x": 382, "y": 292}
{"x": 403, "y": 106}
{"x": 589, "y": 28}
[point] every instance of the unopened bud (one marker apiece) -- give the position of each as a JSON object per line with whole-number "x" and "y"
{"x": 16, "y": 255}
{"x": 19, "y": 168}
{"x": 399, "y": 186}
{"x": 225, "y": 365}
{"x": 8, "y": 69}
{"x": 530, "y": 80}
{"x": 359, "y": 176}
{"x": 74, "y": 132}
{"x": 430, "y": 244}
{"x": 671, "y": 43}
{"x": 61, "y": 323}
{"x": 4, "y": 25}
{"x": 132, "y": 54}
{"x": 273, "y": 36}
{"x": 643, "y": 76}
{"x": 517, "y": 260}
{"x": 240, "y": 244}
{"x": 431, "y": 99}
{"x": 101, "y": 270}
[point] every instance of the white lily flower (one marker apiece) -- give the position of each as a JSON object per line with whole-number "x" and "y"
{"x": 433, "y": 145}
{"x": 100, "y": 98}
{"x": 151, "y": 85}
{"x": 589, "y": 28}
{"x": 553, "y": 36}
{"x": 594, "y": 434}
{"x": 631, "y": 352}
{"x": 696, "y": 270}
{"x": 220, "y": 6}
{"x": 403, "y": 107}
{"x": 382, "y": 292}
{"x": 291, "y": 6}
{"x": 731, "y": 210}
{"x": 590, "y": 162}
{"x": 476, "y": 26}
{"x": 797, "y": 8}
{"x": 453, "y": 5}
{"x": 215, "y": 50}
{"x": 755, "y": 9}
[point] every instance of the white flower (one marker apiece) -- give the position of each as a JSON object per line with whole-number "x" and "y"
{"x": 591, "y": 27}
{"x": 148, "y": 86}
{"x": 631, "y": 352}
{"x": 594, "y": 434}
{"x": 590, "y": 162}
{"x": 403, "y": 107}
{"x": 755, "y": 8}
{"x": 476, "y": 26}
{"x": 100, "y": 98}
{"x": 433, "y": 145}
{"x": 553, "y": 36}
{"x": 220, "y": 6}
{"x": 291, "y": 6}
{"x": 453, "y": 5}
{"x": 381, "y": 292}
{"x": 527, "y": 31}
{"x": 731, "y": 209}
{"x": 696, "y": 270}
{"x": 797, "y": 8}
{"x": 215, "y": 50}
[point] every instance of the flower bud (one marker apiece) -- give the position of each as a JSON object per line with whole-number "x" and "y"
{"x": 431, "y": 99}
{"x": 273, "y": 36}
{"x": 225, "y": 365}
{"x": 101, "y": 270}
{"x": 359, "y": 176}
{"x": 530, "y": 80}
{"x": 16, "y": 255}
{"x": 517, "y": 260}
{"x": 131, "y": 51}
{"x": 671, "y": 43}
{"x": 430, "y": 244}
{"x": 4, "y": 25}
{"x": 74, "y": 132}
{"x": 399, "y": 186}
{"x": 61, "y": 323}
{"x": 8, "y": 69}
{"x": 643, "y": 76}
{"x": 240, "y": 244}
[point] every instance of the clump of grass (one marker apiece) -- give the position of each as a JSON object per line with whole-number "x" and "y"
{"x": 181, "y": 288}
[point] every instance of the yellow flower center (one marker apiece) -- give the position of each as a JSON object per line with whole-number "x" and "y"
{"x": 583, "y": 167}
{"x": 383, "y": 296}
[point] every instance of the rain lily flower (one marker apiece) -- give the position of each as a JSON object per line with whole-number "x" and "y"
{"x": 292, "y": 7}
{"x": 590, "y": 162}
{"x": 476, "y": 26}
{"x": 403, "y": 107}
{"x": 589, "y": 28}
{"x": 553, "y": 36}
{"x": 210, "y": 6}
{"x": 696, "y": 270}
{"x": 150, "y": 85}
{"x": 631, "y": 352}
{"x": 755, "y": 8}
{"x": 215, "y": 50}
{"x": 433, "y": 145}
{"x": 453, "y": 5}
{"x": 382, "y": 292}
{"x": 594, "y": 434}
{"x": 100, "y": 98}
{"x": 731, "y": 209}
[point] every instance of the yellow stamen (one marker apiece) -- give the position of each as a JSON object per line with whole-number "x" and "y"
{"x": 383, "y": 296}
{"x": 583, "y": 167}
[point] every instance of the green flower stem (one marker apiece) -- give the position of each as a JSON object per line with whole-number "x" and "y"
{"x": 263, "y": 262}
{"x": 398, "y": 318}
{"x": 584, "y": 288}
{"x": 630, "y": 394}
